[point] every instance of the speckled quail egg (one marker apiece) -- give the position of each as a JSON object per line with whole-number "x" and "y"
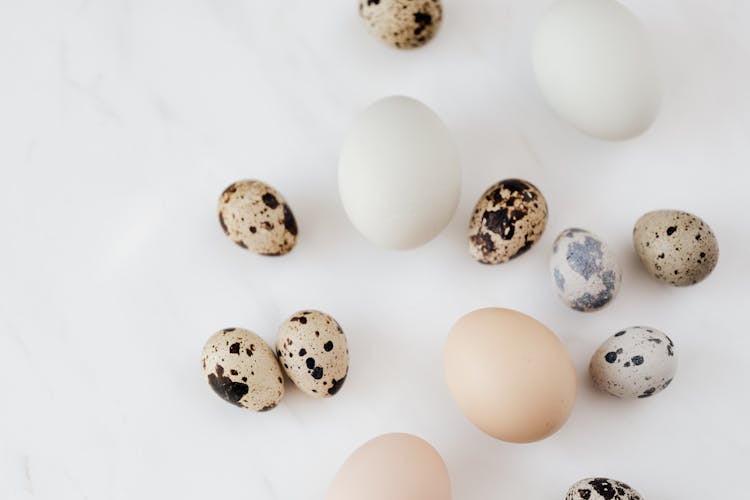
{"x": 636, "y": 362}
{"x": 256, "y": 217}
{"x": 242, "y": 369}
{"x": 312, "y": 348}
{"x": 676, "y": 247}
{"x": 599, "y": 488}
{"x": 584, "y": 270}
{"x": 404, "y": 24}
{"x": 509, "y": 217}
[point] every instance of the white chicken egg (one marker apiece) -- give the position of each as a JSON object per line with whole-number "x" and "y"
{"x": 399, "y": 173}
{"x": 595, "y": 67}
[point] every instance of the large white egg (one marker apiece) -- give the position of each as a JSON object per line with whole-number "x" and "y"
{"x": 595, "y": 66}
{"x": 399, "y": 173}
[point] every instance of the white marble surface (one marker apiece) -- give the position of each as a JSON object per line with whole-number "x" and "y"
{"x": 122, "y": 121}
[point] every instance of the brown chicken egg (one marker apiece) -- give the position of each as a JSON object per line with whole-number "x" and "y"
{"x": 392, "y": 467}
{"x": 510, "y": 375}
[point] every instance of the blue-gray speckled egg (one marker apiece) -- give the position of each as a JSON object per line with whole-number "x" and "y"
{"x": 584, "y": 271}
{"x": 600, "y": 488}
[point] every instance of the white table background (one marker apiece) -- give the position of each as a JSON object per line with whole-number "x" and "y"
{"x": 122, "y": 121}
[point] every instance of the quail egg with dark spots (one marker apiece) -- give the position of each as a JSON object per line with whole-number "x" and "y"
{"x": 242, "y": 369}
{"x": 599, "y": 488}
{"x": 636, "y": 362}
{"x": 404, "y": 24}
{"x": 509, "y": 217}
{"x": 256, "y": 217}
{"x": 676, "y": 247}
{"x": 584, "y": 270}
{"x": 313, "y": 350}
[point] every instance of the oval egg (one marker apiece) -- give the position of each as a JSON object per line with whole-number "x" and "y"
{"x": 510, "y": 375}
{"x": 404, "y": 24}
{"x": 256, "y": 217}
{"x": 636, "y": 362}
{"x": 242, "y": 369}
{"x": 596, "y": 69}
{"x": 600, "y": 488}
{"x": 585, "y": 272}
{"x": 393, "y": 467}
{"x": 399, "y": 174}
{"x": 675, "y": 246}
{"x": 313, "y": 350}
{"x": 509, "y": 217}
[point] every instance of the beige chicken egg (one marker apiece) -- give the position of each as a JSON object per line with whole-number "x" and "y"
{"x": 510, "y": 375}
{"x": 392, "y": 467}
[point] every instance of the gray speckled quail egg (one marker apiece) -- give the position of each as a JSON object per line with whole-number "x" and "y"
{"x": 242, "y": 369}
{"x": 509, "y": 217}
{"x": 676, "y": 247}
{"x": 312, "y": 348}
{"x": 404, "y": 24}
{"x": 636, "y": 362}
{"x": 599, "y": 488}
{"x": 256, "y": 217}
{"x": 585, "y": 272}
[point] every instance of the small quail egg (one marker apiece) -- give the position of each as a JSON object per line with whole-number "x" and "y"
{"x": 585, "y": 272}
{"x": 676, "y": 247}
{"x": 242, "y": 369}
{"x": 256, "y": 217}
{"x": 599, "y": 488}
{"x": 509, "y": 217}
{"x": 312, "y": 348}
{"x": 404, "y": 24}
{"x": 636, "y": 362}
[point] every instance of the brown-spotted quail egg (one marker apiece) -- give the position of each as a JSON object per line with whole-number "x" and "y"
{"x": 599, "y": 488}
{"x": 585, "y": 272}
{"x": 312, "y": 348}
{"x": 404, "y": 24}
{"x": 242, "y": 369}
{"x": 509, "y": 217}
{"x": 636, "y": 362}
{"x": 676, "y": 247}
{"x": 256, "y": 217}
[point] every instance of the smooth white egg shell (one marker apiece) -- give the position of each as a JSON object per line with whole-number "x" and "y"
{"x": 595, "y": 66}
{"x": 399, "y": 173}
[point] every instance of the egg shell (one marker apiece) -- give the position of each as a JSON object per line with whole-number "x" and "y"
{"x": 599, "y": 488}
{"x": 313, "y": 350}
{"x": 404, "y": 24}
{"x": 393, "y": 467}
{"x": 595, "y": 67}
{"x": 636, "y": 362}
{"x": 242, "y": 369}
{"x": 510, "y": 375}
{"x": 399, "y": 173}
{"x": 675, "y": 246}
{"x": 584, "y": 271}
{"x": 509, "y": 217}
{"x": 256, "y": 217}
